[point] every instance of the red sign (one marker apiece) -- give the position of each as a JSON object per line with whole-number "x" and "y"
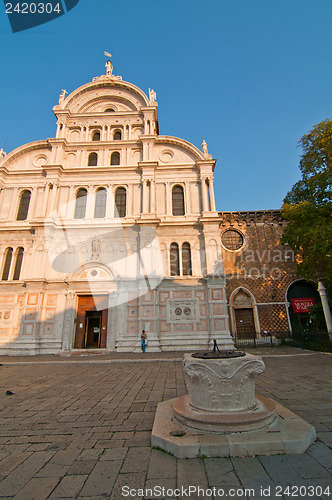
{"x": 302, "y": 305}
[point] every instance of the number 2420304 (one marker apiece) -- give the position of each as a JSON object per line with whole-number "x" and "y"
{"x": 33, "y": 8}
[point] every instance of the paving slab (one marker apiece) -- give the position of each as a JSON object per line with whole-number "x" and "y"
{"x": 68, "y": 399}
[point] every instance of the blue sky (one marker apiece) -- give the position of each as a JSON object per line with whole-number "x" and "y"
{"x": 253, "y": 75}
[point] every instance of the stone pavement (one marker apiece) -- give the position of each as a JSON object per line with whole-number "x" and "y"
{"x": 79, "y": 427}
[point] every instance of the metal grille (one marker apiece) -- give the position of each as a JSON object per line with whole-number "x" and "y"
{"x": 178, "y": 200}
{"x": 80, "y": 206}
{"x": 232, "y": 240}
{"x": 6, "y": 267}
{"x": 18, "y": 263}
{"x": 100, "y": 207}
{"x": 23, "y": 209}
{"x": 186, "y": 260}
{"x": 120, "y": 202}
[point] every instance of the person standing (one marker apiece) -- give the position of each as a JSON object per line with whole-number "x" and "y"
{"x": 143, "y": 337}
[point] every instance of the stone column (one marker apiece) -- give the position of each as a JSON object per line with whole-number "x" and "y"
{"x": 90, "y": 203}
{"x": 33, "y": 203}
{"x": 326, "y": 308}
{"x": 14, "y": 205}
{"x": 130, "y": 200}
{"x": 204, "y": 195}
{"x": 211, "y": 192}
{"x": 110, "y": 202}
{"x": 187, "y": 198}
{"x": 45, "y": 200}
{"x": 152, "y": 197}
{"x": 86, "y": 134}
{"x": 145, "y": 197}
{"x": 53, "y": 202}
{"x": 168, "y": 199}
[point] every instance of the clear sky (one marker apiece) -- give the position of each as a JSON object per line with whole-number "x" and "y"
{"x": 253, "y": 75}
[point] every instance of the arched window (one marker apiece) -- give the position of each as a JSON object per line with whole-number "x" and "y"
{"x": 109, "y": 110}
{"x": 115, "y": 158}
{"x": 117, "y": 135}
{"x": 120, "y": 202}
{"x": 174, "y": 260}
{"x": 186, "y": 260}
{"x": 93, "y": 160}
{"x": 100, "y": 206}
{"x": 18, "y": 263}
{"x": 96, "y": 135}
{"x": 178, "y": 200}
{"x": 7, "y": 263}
{"x": 80, "y": 206}
{"x": 23, "y": 208}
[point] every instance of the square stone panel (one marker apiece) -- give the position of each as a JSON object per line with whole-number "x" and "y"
{"x": 148, "y": 311}
{"x": 33, "y": 299}
{"x": 219, "y": 324}
{"x": 164, "y": 327}
{"x": 218, "y": 309}
{"x": 48, "y": 329}
{"x": 132, "y": 327}
{"x": 132, "y": 312}
{"x": 148, "y": 297}
{"x": 182, "y": 295}
{"x": 217, "y": 294}
{"x": 202, "y": 326}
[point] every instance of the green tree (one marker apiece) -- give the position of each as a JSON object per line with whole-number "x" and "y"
{"x": 308, "y": 206}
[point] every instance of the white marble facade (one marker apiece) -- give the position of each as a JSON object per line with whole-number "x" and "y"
{"x": 109, "y": 210}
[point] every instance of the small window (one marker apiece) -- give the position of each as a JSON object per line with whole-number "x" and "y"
{"x": 186, "y": 260}
{"x": 174, "y": 260}
{"x": 100, "y": 206}
{"x": 18, "y": 263}
{"x": 109, "y": 110}
{"x": 232, "y": 240}
{"x": 80, "y": 206}
{"x": 93, "y": 160}
{"x": 115, "y": 158}
{"x": 96, "y": 136}
{"x": 23, "y": 209}
{"x": 120, "y": 202}
{"x": 117, "y": 135}
{"x": 177, "y": 200}
{"x": 7, "y": 263}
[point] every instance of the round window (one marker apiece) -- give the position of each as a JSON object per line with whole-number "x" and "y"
{"x": 232, "y": 240}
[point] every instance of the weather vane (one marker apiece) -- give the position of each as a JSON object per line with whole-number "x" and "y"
{"x": 109, "y": 64}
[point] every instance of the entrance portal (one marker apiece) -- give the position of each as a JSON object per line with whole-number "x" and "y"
{"x": 91, "y": 326}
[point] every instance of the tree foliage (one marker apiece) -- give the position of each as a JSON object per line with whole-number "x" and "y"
{"x": 308, "y": 206}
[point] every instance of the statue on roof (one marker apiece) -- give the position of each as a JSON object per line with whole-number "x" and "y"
{"x": 62, "y": 97}
{"x": 2, "y": 154}
{"x": 205, "y": 149}
{"x": 152, "y": 96}
{"x": 109, "y": 64}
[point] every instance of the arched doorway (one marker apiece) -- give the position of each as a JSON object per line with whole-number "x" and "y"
{"x": 301, "y": 295}
{"x": 243, "y": 315}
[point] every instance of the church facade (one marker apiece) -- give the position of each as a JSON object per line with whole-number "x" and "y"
{"x": 108, "y": 229}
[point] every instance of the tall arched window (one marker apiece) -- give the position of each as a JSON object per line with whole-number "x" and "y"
{"x": 120, "y": 202}
{"x": 96, "y": 135}
{"x": 115, "y": 158}
{"x": 7, "y": 263}
{"x": 177, "y": 200}
{"x": 92, "y": 160}
{"x": 80, "y": 206}
{"x": 174, "y": 260}
{"x": 23, "y": 208}
{"x": 100, "y": 206}
{"x": 18, "y": 263}
{"x": 117, "y": 135}
{"x": 186, "y": 260}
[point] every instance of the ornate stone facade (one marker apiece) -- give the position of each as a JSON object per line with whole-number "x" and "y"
{"x": 109, "y": 216}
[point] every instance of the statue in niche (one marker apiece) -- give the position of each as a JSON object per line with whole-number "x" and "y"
{"x": 96, "y": 250}
{"x": 152, "y": 96}
{"x": 62, "y": 97}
